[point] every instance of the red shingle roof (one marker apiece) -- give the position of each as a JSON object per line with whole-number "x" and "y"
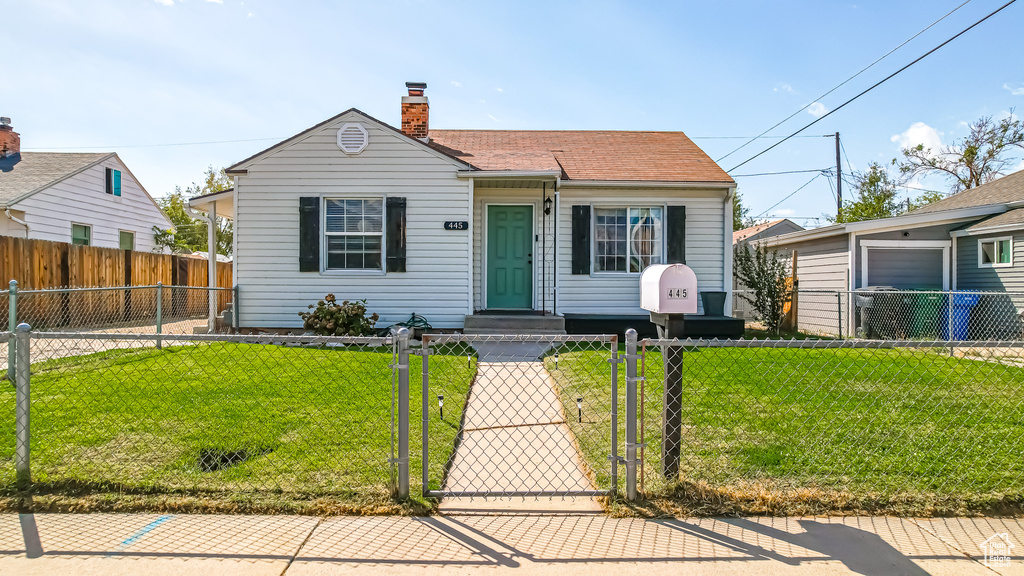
{"x": 584, "y": 155}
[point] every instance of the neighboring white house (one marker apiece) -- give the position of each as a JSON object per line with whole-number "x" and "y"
{"x": 81, "y": 198}
{"x": 452, "y": 223}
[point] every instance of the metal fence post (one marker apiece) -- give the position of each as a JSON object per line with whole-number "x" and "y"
{"x": 402, "y": 339}
{"x": 839, "y": 309}
{"x": 23, "y": 404}
{"x": 12, "y": 323}
{"x": 425, "y": 355}
{"x": 614, "y": 456}
{"x": 159, "y": 312}
{"x": 631, "y": 395}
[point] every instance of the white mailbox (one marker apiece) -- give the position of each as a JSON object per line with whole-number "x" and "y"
{"x": 669, "y": 289}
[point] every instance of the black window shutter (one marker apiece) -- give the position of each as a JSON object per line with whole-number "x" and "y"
{"x": 675, "y": 224}
{"x": 110, "y": 181}
{"x": 581, "y": 239}
{"x": 309, "y": 234}
{"x": 395, "y": 234}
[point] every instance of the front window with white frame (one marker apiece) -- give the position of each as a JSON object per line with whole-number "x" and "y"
{"x": 354, "y": 233}
{"x": 995, "y": 252}
{"x": 628, "y": 239}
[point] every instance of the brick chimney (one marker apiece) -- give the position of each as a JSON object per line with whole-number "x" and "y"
{"x": 10, "y": 141}
{"x": 416, "y": 111}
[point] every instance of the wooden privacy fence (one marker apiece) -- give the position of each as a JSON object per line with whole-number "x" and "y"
{"x": 44, "y": 265}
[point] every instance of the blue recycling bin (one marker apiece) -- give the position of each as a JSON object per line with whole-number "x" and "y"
{"x": 957, "y": 311}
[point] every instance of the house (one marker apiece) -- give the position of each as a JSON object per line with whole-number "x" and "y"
{"x": 973, "y": 240}
{"x": 539, "y": 230}
{"x": 80, "y": 198}
{"x": 751, "y": 234}
{"x": 765, "y": 230}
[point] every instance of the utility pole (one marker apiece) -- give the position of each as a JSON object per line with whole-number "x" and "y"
{"x": 839, "y": 182}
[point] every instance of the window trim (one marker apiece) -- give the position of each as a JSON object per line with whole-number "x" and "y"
{"x": 995, "y": 240}
{"x": 132, "y": 232}
{"x": 88, "y": 228}
{"x": 593, "y": 236}
{"x": 324, "y": 270}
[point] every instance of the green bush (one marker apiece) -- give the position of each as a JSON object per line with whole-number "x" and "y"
{"x": 328, "y": 318}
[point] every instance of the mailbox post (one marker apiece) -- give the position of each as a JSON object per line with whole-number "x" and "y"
{"x": 669, "y": 291}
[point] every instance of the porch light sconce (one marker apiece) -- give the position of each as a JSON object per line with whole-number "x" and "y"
{"x": 579, "y": 407}
{"x": 547, "y": 204}
{"x": 440, "y": 405}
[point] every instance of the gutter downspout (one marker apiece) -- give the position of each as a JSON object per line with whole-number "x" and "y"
{"x": 211, "y": 258}
{"x": 7, "y": 211}
{"x": 727, "y": 272}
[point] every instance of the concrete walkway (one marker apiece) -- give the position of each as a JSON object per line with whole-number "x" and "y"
{"x": 515, "y": 439}
{"x": 109, "y": 544}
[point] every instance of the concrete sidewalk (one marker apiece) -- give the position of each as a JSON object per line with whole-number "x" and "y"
{"x": 514, "y": 438}
{"x": 61, "y": 544}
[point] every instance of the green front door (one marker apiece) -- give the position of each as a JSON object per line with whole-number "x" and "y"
{"x": 509, "y": 257}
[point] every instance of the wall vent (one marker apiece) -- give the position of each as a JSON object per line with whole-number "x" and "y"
{"x": 352, "y": 138}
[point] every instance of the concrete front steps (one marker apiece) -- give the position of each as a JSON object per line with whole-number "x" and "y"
{"x": 497, "y": 323}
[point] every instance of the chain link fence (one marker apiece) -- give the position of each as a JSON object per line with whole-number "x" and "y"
{"x": 205, "y": 414}
{"x": 539, "y": 418}
{"x": 885, "y": 314}
{"x": 142, "y": 309}
{"x": 835, "y": 421}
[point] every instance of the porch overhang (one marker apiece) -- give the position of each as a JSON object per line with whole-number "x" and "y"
{"x": 222, "y": 203}
{"x": 538, "y": 175}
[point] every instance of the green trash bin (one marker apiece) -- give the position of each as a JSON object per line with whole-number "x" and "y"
{"x": 925, "y": 311}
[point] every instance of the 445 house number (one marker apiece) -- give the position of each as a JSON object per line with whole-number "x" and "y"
{"x": 677, "y": 294}
{"x": 456, "y": 225}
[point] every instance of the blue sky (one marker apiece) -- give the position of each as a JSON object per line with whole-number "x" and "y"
{"x": 127, "y": 75}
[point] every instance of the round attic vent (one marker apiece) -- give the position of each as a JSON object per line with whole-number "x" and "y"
{"x": 352, "y": 138}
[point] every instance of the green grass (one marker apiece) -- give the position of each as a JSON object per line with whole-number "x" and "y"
{"x": 898, "y": 431}
{"x": 234, "y": 421}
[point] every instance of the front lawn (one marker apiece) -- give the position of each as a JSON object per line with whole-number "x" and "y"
{"x": 265, "y": 427}
{"x": 772, "y": 430}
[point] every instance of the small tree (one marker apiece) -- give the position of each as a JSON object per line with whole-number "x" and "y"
{"x": 764, "y": 273}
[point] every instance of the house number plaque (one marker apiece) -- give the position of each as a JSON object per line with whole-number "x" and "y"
{"x": 456, "y": 225}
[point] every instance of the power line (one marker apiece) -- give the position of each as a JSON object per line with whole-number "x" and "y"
{"x": 848, "y": 165}
{"x": 772, "y": 207}
{"x": 777, "y": 173}
{"x": 753, "y": 137}
{"x": 884, "y": 56}
{"x": 43, "y": 148}
{"x": 877, "y": 84}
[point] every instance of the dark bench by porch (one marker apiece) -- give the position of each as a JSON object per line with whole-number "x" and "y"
{"x": 695, "y": 326}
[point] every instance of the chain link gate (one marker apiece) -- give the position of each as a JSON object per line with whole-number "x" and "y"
{"x": 537, "y": 415}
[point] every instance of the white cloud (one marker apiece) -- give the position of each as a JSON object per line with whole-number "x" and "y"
{"x": 221, "y": 2}
{"x": 919, "y": 133}
{"x": 783, "y": 87}
{"x": 482, "y": 101}
{"x": 817, "y": 110}
{"x": 250, "y": 15}
{"x": 1015, "y": 91}
{"x": 493, "y": 118}
{"x": 165, "y": 2}
{"x": 499, "y": 89}
{"x": 456, "y": 83}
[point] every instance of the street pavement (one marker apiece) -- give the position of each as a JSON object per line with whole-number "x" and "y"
{"x": 562, "y": 545}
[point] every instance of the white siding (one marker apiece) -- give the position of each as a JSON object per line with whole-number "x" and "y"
{"x": 82, "y": 199}
{"x": 435, "y": 285}
{"x": 619, "y": 293}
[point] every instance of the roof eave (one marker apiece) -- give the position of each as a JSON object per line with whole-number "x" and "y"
{"x": 646, "y": 184}
{"x": 881, "y": 225}
{"x": 511, "y": 174}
